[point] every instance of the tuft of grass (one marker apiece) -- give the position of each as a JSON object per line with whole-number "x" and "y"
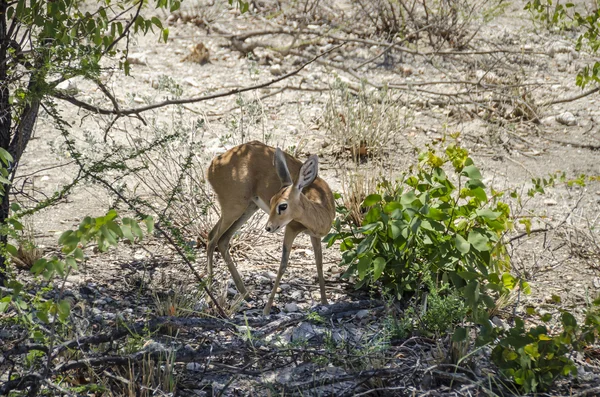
{"x": 363, "y": 123}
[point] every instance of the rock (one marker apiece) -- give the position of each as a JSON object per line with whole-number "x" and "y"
{"x": 231, "y": 292}
{"x": 284, "y": 287}
{"x": 291, "y": 307}
{"x": 596, "y": 282}
{"x": 194, "y": 367}
{"x": 307, "y": 331}
{"x": 263, "y": 280}
{"x": 297, "y": 295}
{"x": 137, "y": 58}
{"x": 191, "y": 81}
{"x": 109, "y": 316}
{"x": 498, "y": 322}
{"x": 548, "y": 121}
{"x": 68, "y": 87}
{"x": 550, "y": 202}
{"x": 138, "y": 99}
{"x": 566, "y": 118}
{"x": 276, "y": 70}
{"x": 100, "y": 302}
{"x": 362, "y": 314}
{"x": 271, "y": 275}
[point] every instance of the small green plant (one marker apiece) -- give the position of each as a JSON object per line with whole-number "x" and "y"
{"x": 568, "y": 15}
{"x": 444, "y": 310}
{"x": 533, "y": 358}
{"x": 105, "y": 231}
{"x": 315, "y": 318}
{"x": 431, "y": 225}
{"x": 552, "y": 14}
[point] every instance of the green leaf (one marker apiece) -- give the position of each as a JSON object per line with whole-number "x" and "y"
{"x": 488, "y": 213}
{"x": 11, "y": 249}
{"x": 363, "y": 266}
{"x": 479, "y": 241}
{"x": 64, "y": 309}
{"x": 388, "y": 208}
{"x": 395, "y": 228}
{"x": 114, "y": 227}
{"x": 156, "y": 22}
{"x": 509, "y": 281}
{"x": 478, "y": 193}
{"x": 4, "y": 303}
{"x": 126, "y": 229}
{"x": 5, "y": 156}
{"x": 38, "y": 266}
{"x": 460, "y": 334}
{"x": 472, "y": 292}
{"x": 408, "y": 198}
{"x": 461, "y": 244}
{"x": 378, "y": 266}
{"x": 109, "y": 235}
{"x": 371, "y": 200}
{"x": 472, "y": 172}
{"x": 468, "y": 275}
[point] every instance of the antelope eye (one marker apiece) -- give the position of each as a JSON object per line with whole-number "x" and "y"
{"x": 281, "y": 207}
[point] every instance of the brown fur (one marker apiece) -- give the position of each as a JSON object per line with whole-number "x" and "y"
{"x": 247, "y": 172}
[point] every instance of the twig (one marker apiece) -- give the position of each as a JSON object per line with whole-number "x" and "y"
{"x": 137, "y": 111}
{"x": 521, "y": 235}
{"x": 571, "y": 99}
{"x": 575, "y": 144}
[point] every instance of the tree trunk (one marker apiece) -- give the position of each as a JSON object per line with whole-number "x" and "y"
{"x": 5, "y": 124}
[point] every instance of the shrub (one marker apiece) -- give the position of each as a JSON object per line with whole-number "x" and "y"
{"x": 432, "y": 225}
{"x": 534, "y": 358}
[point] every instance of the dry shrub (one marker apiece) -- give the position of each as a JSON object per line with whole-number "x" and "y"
{"x": 441, "y": 22}
{"x": 27, "y": 249}
{"x": 366, "y": 122}
{"x": 356, "y": 185}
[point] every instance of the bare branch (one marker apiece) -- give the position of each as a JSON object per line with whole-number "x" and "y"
{"x": 137, "y": 111}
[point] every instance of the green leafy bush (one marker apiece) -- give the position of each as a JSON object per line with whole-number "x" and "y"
{"x": 534, "y": 358}
{"x": 430, "y": 225}
{"x": 105, "y": 231}
{"x": 444, "y": 309}
{"x": 566, "y": 15}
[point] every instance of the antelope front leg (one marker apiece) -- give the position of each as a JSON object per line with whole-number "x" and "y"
{"x": 288, "y": 240}
{"x": 316, "y": 243}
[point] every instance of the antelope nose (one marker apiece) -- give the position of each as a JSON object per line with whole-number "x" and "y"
{"x": 269, "y": 228}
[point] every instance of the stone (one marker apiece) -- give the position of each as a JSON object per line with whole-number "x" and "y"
{"x": 566, "y": 118}
{"x": 194, "y": 367}
{"x": 68, "y": 87}
{"x": 271, "y": 275}
{"x": 137, "y": 58}
{"x": 276, "y": 70}
{"x": 291, "y": 307}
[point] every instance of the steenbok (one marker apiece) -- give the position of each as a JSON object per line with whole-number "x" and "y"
{"x": 252, "y": 176}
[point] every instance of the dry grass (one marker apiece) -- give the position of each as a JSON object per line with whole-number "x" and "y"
{"x": 366, "y": 123}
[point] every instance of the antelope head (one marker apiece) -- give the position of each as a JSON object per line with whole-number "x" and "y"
{"x": 287, "y": 205}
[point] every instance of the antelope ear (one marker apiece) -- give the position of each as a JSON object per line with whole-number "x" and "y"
{"x": 308, "y": 172}
{"x": 282, "y": 169}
